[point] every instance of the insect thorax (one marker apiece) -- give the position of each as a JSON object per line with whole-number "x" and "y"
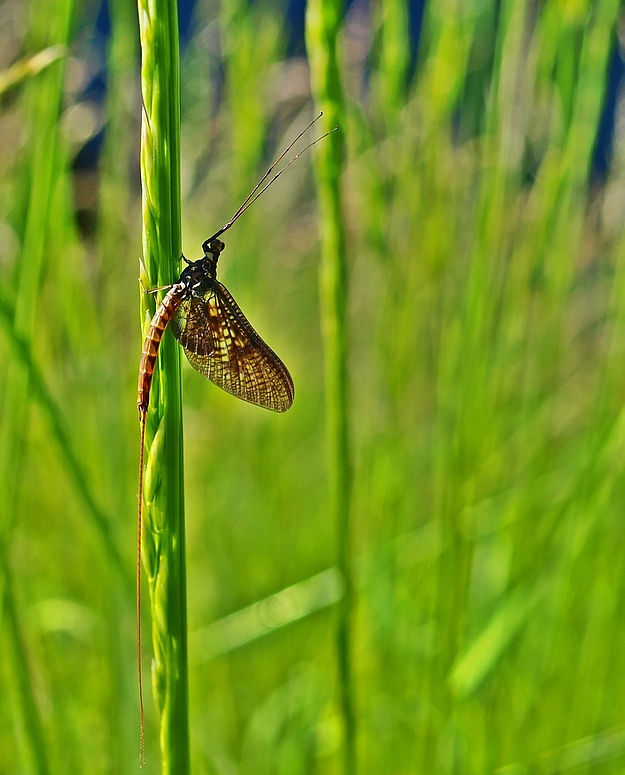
{"x": 200, "y": 275}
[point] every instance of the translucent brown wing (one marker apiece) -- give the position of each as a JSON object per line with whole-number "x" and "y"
{"x": 222, "y": 345}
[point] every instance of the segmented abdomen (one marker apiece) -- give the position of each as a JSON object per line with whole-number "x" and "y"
{"x": 164, "y": 313}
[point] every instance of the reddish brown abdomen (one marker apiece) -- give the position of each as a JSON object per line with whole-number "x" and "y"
{"x": 162, "y": 316}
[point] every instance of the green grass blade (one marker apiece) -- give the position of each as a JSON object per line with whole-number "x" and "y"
{"x": 164, "y": 538}
{"x": 50, "y": 29}
{"x": 30, "y": 717}
{"x": 392, "y": 70}
{"x": 30, "y": 66}
{"x": 323, "y": 19}
{"x": 250, "y": 36}
{"x": 265, "y": 616}
{"x": 45, "y": 97}
{"x": 23, "y": 355}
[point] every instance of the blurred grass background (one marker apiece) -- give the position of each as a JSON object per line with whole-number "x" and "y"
{"x": 486, "y": 340}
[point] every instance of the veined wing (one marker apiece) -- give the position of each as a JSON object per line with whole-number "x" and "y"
{"x": 222, "y": 345}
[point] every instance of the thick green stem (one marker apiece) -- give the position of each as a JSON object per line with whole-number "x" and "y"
{"x": 164, "y": 537}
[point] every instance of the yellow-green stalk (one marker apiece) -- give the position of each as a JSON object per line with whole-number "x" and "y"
{"x": 164, "y": 534}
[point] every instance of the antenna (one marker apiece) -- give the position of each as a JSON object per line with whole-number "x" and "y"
{"x": 255, "y": 193}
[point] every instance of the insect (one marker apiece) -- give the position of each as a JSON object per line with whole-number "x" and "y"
{"x": 217, "y": 338}
{"x": 218, "y": 341}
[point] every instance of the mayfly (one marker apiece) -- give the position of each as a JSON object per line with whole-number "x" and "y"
{"x": 219, "y": 342}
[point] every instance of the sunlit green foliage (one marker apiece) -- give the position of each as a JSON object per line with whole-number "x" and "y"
{"x": 486, "y": 342}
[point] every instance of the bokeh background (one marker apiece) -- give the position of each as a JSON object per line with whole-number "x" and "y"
{"x": 484, "y": 196}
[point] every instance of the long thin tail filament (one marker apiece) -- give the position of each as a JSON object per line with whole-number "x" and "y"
{"x": 142, "y": 417}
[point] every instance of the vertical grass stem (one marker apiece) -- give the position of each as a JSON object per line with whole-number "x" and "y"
{"x": 322, "y": 26}
{"x": 163, "y": 548}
